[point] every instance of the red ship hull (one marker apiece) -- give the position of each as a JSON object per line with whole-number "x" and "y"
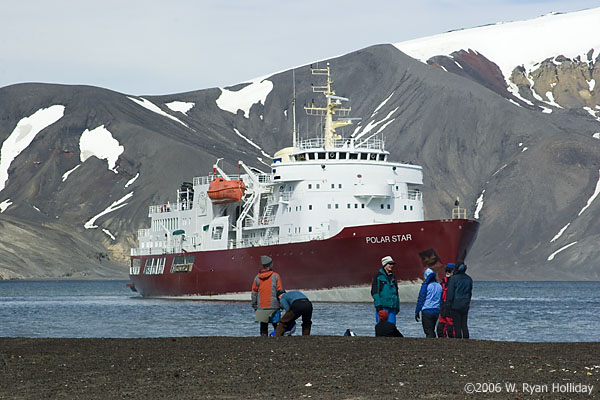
{"x": 348, "y": 259}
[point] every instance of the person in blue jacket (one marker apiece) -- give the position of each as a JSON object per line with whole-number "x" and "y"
{"x": 384, "y": 290}
{"x": 428, "y": 303}
{"x": 296, "y": 305}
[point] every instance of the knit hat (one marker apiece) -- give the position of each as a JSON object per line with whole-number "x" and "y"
{"x": 450, "y": 266}
{"x": 387, "y": 260}
{"x": 383, "y": 315}
{"x": 266, "y": 261}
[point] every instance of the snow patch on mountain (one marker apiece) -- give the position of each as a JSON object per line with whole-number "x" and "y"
{"x": 373, "y": 124}
{"x": 4, "y": 205}
{"x": 382, "y": 104}
{"x": 23, "y": 134}
{"x": 551, "y": 256}
{"x": 243, "y": 99}
{"x": 114, "y": 206}
{"x": 110, "y": 235}
{"x": 559, "y": 234}
{"x": 129, "y": 182}
{"x": 593, "y": 197}
{"x": 100, "y": 143}
{"x": 251, "y": 143}
{"x": 147, "y": 104}
{"x": 512, "y": 44}
{"x": 66, "y": 174}
{"x": 180, "y": 106}
{"x": 479, "y": 205}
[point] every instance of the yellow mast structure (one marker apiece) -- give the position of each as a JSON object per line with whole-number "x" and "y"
{"x": 332, "y": 108}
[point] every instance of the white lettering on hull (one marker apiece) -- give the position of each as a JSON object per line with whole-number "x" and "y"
{"x": 388, "y": 239}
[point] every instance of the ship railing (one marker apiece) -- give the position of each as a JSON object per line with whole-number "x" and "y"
{"x": 253, "y": 242}
{"x": 146, "y": 252}
{"x": 348, "y": 143}
{"x": 203, "y": 180}
{"x": 168, "y": 207}
{"x": 414, "y": 195}
{"x": 267, "y": 220}
{"x": 142, "y": 233}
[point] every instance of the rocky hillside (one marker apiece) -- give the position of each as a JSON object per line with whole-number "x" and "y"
{"x": 526, "y": 163}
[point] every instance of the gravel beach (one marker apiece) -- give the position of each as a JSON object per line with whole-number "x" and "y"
{"x": 317, "y": 367}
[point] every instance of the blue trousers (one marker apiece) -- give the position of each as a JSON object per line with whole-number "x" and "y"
{"x": 391, "y": 318}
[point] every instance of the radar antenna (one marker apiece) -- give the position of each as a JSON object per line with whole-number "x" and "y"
{"x": 332, "y": 108}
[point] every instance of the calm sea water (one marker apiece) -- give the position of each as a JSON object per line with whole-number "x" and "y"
{"x": 514, "y": 311}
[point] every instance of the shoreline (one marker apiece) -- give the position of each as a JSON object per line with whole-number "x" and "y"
{"x": 295, "y": 367}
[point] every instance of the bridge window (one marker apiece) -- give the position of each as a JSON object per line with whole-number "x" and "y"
{"x": 342, "y": 156}
{"x": 382, "y": 157}
{"x": 311, "y": 156}
{"x": 372, "y": 156}
{"x": 332, "y": 155}
{"x": 321, "y": 156}
{"x": 364, "y": 156}
{"x": 353, "y": 156}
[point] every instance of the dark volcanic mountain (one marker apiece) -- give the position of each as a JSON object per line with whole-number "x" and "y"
{"x": 526, "y": 174}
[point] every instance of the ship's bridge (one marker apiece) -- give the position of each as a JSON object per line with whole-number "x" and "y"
{"x": 341, "y": 149}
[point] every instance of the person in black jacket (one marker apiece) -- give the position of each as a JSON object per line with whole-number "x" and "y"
{"x": 385, "y": 327}
{"x": 458, "y": 299}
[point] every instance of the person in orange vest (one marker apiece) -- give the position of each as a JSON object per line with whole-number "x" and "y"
{"x": 264, "y": 295}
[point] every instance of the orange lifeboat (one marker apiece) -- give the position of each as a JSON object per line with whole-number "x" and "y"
{"x": 222, "y": 191}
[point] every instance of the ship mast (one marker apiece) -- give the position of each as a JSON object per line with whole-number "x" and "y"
{"x": 331, "y": 109}
{"x": 294, "y": 134}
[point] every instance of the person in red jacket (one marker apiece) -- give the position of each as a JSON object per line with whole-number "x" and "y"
{"x": 264, "y": 295}
{"x": 445, "y": 326}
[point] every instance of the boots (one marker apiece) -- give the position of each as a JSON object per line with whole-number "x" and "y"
{"x": 306, "y": 329}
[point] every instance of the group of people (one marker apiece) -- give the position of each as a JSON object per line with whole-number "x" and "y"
{"x": 442, "y": 307}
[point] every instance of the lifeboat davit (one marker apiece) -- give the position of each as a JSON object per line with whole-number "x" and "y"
{"x": 221, "y": 190}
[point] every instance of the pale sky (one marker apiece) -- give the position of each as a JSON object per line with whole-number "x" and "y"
{"x": 146, "y": 47}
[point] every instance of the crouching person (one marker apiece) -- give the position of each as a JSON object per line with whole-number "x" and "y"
{"x": 384, "y": 327}
{"x": 296, "y": 305}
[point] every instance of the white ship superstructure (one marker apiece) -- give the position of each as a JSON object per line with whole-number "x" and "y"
{"x": 315, "y": 188}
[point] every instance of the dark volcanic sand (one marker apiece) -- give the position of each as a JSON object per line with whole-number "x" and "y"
{"x": 254, "y": 367}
